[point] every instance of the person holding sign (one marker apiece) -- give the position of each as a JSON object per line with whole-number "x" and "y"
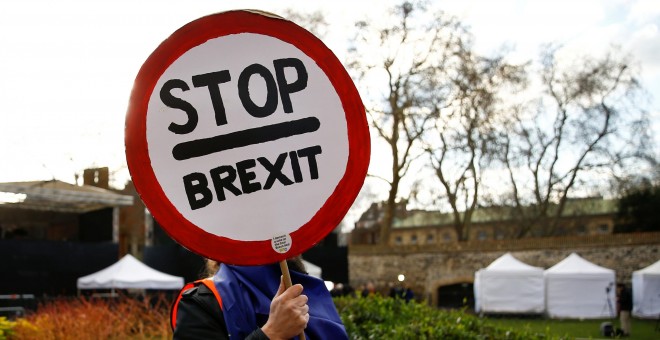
{"x": 246, "y": 114}
{"x": 240, "y": 302}
{"x": 248, "y": 142}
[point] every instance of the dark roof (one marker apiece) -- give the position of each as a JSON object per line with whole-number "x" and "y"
{"x": 59, "y": 196}
{"x": 574, "y": 207}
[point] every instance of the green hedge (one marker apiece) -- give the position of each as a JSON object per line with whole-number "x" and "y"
{"x": 377, "y": 317}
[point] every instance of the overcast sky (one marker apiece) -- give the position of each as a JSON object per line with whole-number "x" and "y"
{"x": 67, "y": 67}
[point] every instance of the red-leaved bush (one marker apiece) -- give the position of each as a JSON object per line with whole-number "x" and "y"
{"x": 90, "y": 318}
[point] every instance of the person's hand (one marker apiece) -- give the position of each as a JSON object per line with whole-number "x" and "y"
{"x": 289, "y": 313}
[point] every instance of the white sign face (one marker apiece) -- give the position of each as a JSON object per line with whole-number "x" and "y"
{"x": 247, "y": 136}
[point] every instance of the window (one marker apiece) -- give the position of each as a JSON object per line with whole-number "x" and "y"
{"x": 413, "y": 239}
{"x": 398, "y": 240}
{"x": 430, "y": 238}
{"x": 603, "y": 228}
{"x": 446, "y": 237}
{"x": 371, "y": 238}
{"x": 482, "y": 235}
{"x": 581, "y": 229}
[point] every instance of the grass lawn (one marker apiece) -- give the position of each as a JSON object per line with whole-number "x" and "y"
{"x": 589, "y": 329}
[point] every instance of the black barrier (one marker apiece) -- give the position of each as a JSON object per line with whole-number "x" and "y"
{"x": 175, "y": 260}
{"x": 44, "y": 268}
{"x": 332, "y": 259}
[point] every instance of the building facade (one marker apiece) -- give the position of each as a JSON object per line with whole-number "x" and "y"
{"x": 423, "y": 248}
{"x": 589, "y": 216}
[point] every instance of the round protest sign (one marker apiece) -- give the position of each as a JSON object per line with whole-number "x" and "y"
{"x": 246, "y": 138}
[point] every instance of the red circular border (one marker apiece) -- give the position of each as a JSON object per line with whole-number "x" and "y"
{"x": 209, "y": 245}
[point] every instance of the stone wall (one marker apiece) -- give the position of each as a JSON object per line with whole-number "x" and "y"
{"x": 427, "y": 268}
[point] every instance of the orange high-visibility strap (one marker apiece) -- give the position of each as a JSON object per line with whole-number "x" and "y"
{"x": 208, "y": 282}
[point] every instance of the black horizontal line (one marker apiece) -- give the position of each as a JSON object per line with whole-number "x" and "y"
{"x": 233, "y": 140}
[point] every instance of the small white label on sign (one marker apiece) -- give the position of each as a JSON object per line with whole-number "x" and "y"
{"x": 281, "y": 244}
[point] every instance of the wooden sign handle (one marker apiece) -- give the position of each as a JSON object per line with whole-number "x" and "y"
{"x": 284, "y": 267}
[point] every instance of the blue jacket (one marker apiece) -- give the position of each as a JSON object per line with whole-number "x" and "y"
{"x": 246, "y": 293}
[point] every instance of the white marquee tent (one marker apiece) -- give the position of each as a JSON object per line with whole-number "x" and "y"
{"x": 129, "y": 273}
{"x": 312, "y": 269}
{"x": 577, "y": 288}
{"x": 646, "y": 291}
{"x": 508, "y": 285}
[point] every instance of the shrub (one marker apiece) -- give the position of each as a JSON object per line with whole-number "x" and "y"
{"x": 378, "y": 317}
{"x": 372, "y": 317}
{"x": 88, "y": 318}
{"x": 6, "y": 327}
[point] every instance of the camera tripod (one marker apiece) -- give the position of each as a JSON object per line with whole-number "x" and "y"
{"x": 608, "y": 302}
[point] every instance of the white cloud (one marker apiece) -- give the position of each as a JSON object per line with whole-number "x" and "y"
{"x": 643, "y": 11}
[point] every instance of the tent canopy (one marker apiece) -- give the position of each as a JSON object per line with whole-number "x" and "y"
{"x": 574, "y": 264}
{"x": 129, "y": 273}
{"x": 646, "y": 291}
{"x": 508, "y": 285}
{"x": 577, "y": 288}
{"x": 312, "y": 269}
{"x": 507, "y": 263}
{"x": 653, "y": 269}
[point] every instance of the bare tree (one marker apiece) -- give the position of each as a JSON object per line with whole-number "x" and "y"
{"x": 401, "y": 64}
{"x": 463, "y": 141}
{"x": 313, "y": 21}
{"x": 586, "y": 123}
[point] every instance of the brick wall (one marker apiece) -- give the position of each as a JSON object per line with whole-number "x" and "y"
{"x": 427, "y": 267}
